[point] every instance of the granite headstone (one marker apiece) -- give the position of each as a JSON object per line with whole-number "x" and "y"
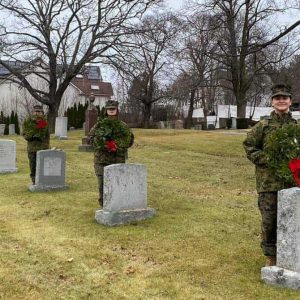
{"x": 8, "y": 156}
{"x": 2, "y": 129}
{"x": 61, "y": 128}
{"x": 11, "y": 129}
{"x": 50, "y": 171}
{"x": 124, "y": 195}
{"x": 286, "y": 273}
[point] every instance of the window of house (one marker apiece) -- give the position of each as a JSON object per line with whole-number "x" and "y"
{"x": 94, "y": 87}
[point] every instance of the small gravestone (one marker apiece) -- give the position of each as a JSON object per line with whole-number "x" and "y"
{"x": 160, "y": 125}
{"x": 178, "y": 124}
{"x": 11, "y": 129}
{"x": 211, "y": 126}
{"x": 233, "y": 123}
{"x": 8, "y": 156}
{"x": 2, "y": 129}
{"x": 286, "y": 273}
{"x": 61, "y": 128}
{"x": 50, "y": 171}
{"x": 124, "y": 195}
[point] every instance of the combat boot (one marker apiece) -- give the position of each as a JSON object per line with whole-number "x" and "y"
{"x": 271, "y": 261}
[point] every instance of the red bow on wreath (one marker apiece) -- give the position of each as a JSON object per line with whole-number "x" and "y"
{"x": 294, "y": 166}
{"x": 111, "y": 145}
{"x": 41, "y": 124}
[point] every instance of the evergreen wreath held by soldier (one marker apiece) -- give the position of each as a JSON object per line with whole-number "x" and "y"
{"x": 36, "y": 133}
{"x": 267, "y": 183}
{"x": 110, "y": 138}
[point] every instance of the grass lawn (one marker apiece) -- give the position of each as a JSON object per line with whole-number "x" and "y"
{"x": 204, "y": 243}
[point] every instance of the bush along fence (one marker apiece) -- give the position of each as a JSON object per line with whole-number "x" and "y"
{"x": 12, "y": 119}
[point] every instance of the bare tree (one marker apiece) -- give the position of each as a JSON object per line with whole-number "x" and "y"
{"x": 198, "y": 70}
{"x": 65, "y": 35}
{"x": 243, "y": 38}
{"x": 142, "y": 65}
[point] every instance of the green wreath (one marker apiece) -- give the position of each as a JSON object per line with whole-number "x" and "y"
{"x": 36, "y": 126}
{"x": 282, "y": 146}
{"x": 111, "y": 129}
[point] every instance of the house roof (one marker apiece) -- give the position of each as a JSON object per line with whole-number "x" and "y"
{"x": 89, "y": 86}
{"x": 12, "y": 64}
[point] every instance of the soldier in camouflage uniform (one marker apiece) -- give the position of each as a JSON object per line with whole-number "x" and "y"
{"x": 105, "y": 158}
{"x": 267, "y": 183}
{"x": 34, "y": 143}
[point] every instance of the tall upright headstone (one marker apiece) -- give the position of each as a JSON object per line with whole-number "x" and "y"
{"x": 2, "y": 129}
{"x": 91, "y": 116}
{"x": 286, "y": 273}
{"x": 11, "y": 129}
{"x": 233, "y": 123}
{"x": 61, "y": 128}
{"x": 124, "y": 195}
{"x": 8, "y": 156}
{"x": 50, "y": 171}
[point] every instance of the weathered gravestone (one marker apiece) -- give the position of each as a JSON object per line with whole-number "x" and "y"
{"x": 61, "y": 128}
{"x": 286, "y": 273}
{"x": 2, "y": 129}
{"x": 11, "y": 129}
{"x": 233, "y": 123}
{"x": 178, "y": 124}
{"x": 160, "y": 125}
{"x": 8, "y": 156}
{"x": 124, "y": 195}
{"x": 50, "y": 171}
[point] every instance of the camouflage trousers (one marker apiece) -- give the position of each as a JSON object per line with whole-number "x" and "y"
{"x": 99, "y": 170}
{"x": 267, "y": 203}
{"x": 32, "y": 165}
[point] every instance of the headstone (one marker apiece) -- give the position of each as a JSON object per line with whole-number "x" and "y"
{"x": 61, "y": 128}
{"x": 287, "y": 271}
{"x": 211, "y": 126}
{"x": 124, "y": 195}
{"x": 50, "y": 171}
{"x": 2, "y": 129}
{"x": 11, "y": 129}
{"x": 160, "y": 125}
{"x": 91, "y": 116}
{"x": 233, "y": 123}
{"x": 198, "y": 127}
{"x": 178, "y": 124}
{"x": 8, "y": 156}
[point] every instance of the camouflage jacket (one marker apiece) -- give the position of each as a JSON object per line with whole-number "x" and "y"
{"x": 105, "y": 157}
{"x": 254, "y": 144}
{"x": 35, "y": 143}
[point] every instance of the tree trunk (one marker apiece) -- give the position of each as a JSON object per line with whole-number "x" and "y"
{"x": 241, "y": 121}
{"x": 189, "y": 119}
{"x": 147, "y": 114}
{"x": 52, "y": 114}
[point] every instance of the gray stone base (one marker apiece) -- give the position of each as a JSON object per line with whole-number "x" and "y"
{"x": 281, "y": 277}
{"x": 86, "y": 148}
{"x": 62, "y": 137}
{"x": 110, "y": 218}
{"x": 14, "y": 170}
{"x": 46, "y": 188}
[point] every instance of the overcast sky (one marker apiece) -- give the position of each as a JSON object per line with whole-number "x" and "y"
{"x": 174, "y": 3}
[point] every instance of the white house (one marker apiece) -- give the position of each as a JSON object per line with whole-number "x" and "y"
{"x": 14, "y": 97}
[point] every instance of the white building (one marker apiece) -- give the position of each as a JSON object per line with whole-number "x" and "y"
{"x": 230, "y": 111}
{"x": 14, "y": 97}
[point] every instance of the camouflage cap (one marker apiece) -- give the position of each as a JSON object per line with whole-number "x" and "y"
{"x": 111, "y": 104}
{"x": 38, "y": 108}
{"x": 281, "y": 90}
